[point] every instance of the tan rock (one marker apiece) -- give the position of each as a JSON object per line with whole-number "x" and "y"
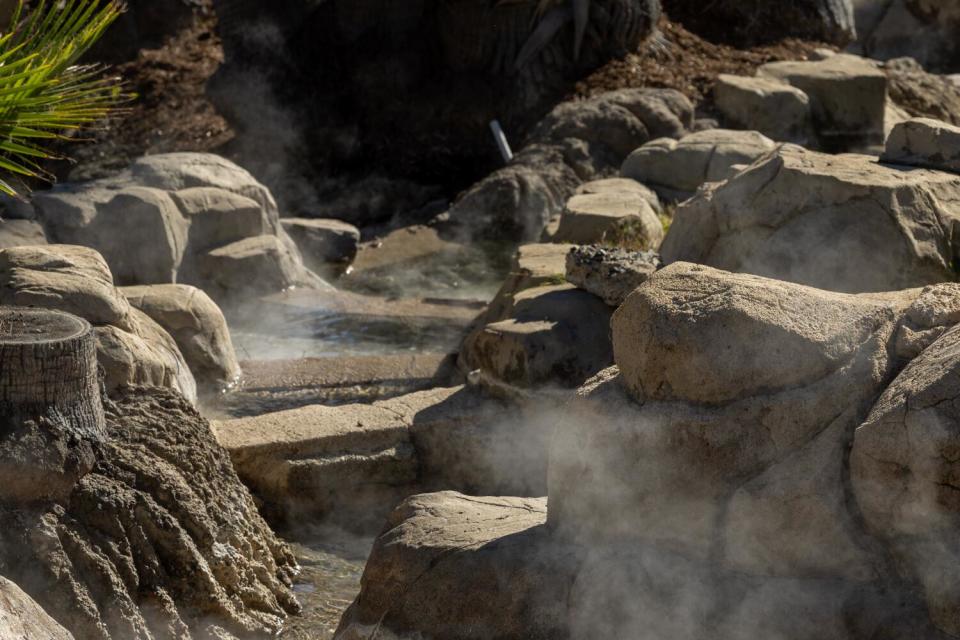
{"x": 22, "y": 618}
{"x": 610, "y": 218}
{"x": 774, "y": 108}
{"x": 922, "y": 142}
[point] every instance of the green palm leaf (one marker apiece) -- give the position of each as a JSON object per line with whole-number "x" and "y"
{"x": 44, "y": 92}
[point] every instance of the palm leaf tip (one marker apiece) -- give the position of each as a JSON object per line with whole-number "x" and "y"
{"x": 44, "y": 90}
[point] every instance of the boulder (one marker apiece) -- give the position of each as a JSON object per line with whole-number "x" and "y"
{"x": 771, "y": 107}
{"x": 197, "y": 325}
{"x": 217, "y": 217}
{"x": 619, "y": 219}
{"x": 21, "y": 617}
{"x": 131, "y": 348}
{"x": 904, "y": 475}
{"x": 622, "y": 185}
{"x": 843, "y": 223}
{"x": 922, "y": 142}
{"x": 324, "y": 243}
{"x": 18, "y": 233}
{"x": 533, "y": 265}
{"x": 923, "y": 29}
{"x": 922, "y": 94}
{"x": 677, "y": 168}
{"x": 848, "y": 97}
{"x": 610, "y": 274}
{"x": 553, "y": 335}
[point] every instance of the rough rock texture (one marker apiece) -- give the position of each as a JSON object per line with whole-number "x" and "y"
{"x": 22, "y": 618}
{"x": 848, "y": 97}
{"x": 16, "y": 233}
{"x": 553, "y": 334}
{"x": 159, "y": 540}
{"x": 923, "y": 29}
{"x": 843, "y": 223}
{"x": 677, "y": 168}
{"x": 575, "y": 143}
{"x": 923, "y": 142}
{"x": 777, "y": 110}
{"x": 158, "y": 221}
{"x": 922, "y": 94}
{"x": 197, "y": 325}
{"x": 131, "y": 348}
{"x": 610, "y": 218}
{"x": 904, "y": 473}
{"x": 610, "y": 274}
{"x": 324, "y": 243}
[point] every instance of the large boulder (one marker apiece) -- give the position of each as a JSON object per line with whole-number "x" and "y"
{"x": 771, "y": 107}
{"x": 159, "y": 221}
{"x": 131, "y": 348}
{"x": 197, "y": 325}
{"x": 843, "y": 223}
{"x": 848, "y": 97}
{"x": 677, "y": 168}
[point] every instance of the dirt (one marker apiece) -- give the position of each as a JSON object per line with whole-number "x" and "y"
{"x": 678, "y": 59}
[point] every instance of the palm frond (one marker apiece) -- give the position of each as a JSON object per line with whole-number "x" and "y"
{"x": 44, "y": 92}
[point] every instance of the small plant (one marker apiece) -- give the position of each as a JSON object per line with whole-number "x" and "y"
{"x": 45, "y": 92}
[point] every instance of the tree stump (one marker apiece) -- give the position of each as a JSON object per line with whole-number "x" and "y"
{"x": 51, "y": 412}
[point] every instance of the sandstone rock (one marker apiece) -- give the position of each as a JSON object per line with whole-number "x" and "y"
{"x": 197, "y": 325}
{"x": 622, "y": 185}
{"x": 517, "y": 590}
{"x": 848, "y": 96}
{"x": 160, "y": 540}
{"x": 324, "y": 242}
{"x": 22, "y": 617}
{"x": 923, "y": 142}
{"x": 904, "y": 470}
{"x": 610, "y": 274}
{"x": 677, "y": 168}
{"x": 17, "y": 233}
{"x": 217, "y": 217}
{"x": 922, "y": 94}
{"x": 923, "y": 29}
{"x": 775, "y": 109}
{"x": 610, "y": 218}
{"x": 836, "y": 222}
{"x": 555, "y": 334}
{"x": 534, "y": 265}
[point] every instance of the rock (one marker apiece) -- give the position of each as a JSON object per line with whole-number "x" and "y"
{"x": 533, "y": 265}
{"x": 610, "y": 218}
{"x": 324, "y": 242}
{"x": 131, "y": 348}
{"x": 677, "y": 168}
{"x": 22, "y": 617}
{"x": 923, "y": 29}
{"x": 554, "y": 334}
{"x": 843, "y": 223}
{"x": 575, "y": 143}
{"x": 17, "y": 233}
{"x": 251, "y": 267}
{"x": 622, "y": 185}
{"x": 922, "y": 94}
{"x": 848, "y": 97}
{"x": 610, "y": 274}
{"x": 750, "y": 22}
{"x": 903, "y": 470}
{"x": 517, "y": 589}
{"x": 923, "y": 142}
{"x": 159, "y": 221}
{"x": 197, "y": 325}
{"x": 160, "y": 539}
{"x": 775, "y": 109}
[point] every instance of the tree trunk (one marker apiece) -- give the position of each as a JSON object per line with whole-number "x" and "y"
{"x": 51, "y": 415}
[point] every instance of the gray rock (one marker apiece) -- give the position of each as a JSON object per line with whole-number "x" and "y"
{"x": 19, "y": 233}
{"x": 677, "y": 168}
{"x": 323, "y": 242}
{"x": 844, "y": 223}
{"x": 848, "y": 96}
{"x": 922, "y": 142}
{"x": 197, "y": 325}
{"x": 610, "y": 274}
{"x": 775, "y": 109}
{"x": 922, "y": 94}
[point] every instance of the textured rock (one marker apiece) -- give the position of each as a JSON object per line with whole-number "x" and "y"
{"x": 904, "y": 474}
{"x": 923, "y": 142}
{"x": 610, "y": 218}
{"x": 533, "y": 265}
{"x": 923, "y": 29}
{"x": 677, "y": 168}
{"x": 922, "y": 94}
{"x": 775, "y": 109}
{"x": 197, "y": 325}
{"x": 160, "y": 540}
{"x": 848, "y": 96}
{"x": 555, "y": 334}
{"x": 622, "y": 185}
{"x": 324, "y": 242}
{"x": 17, "y": 233}
{"x": 843, "y": 223}
{"x": 610, "y": 274}
{"x": 21, "y": 617}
